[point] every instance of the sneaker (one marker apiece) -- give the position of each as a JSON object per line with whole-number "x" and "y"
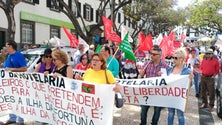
{"x": 203, "y": 105}
{"x": 211, "y": 108}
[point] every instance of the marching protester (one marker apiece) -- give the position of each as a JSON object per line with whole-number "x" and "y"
{"x": 111, "y": 62}
{"x": 209, "y": 69}
{"x": 47, "y": 65}
{"x": 152, "y": 69}
{"x": 178, "y": 69}
{"x": 98, "y": 72}
{"x": 194, "y": 63}
{"x": 62, "y": 68}
{"x": 84, "y": 63}
{"x": 78, "y": 53}
{"x": 3, "y": 56}
{"x": 15, "y": 62}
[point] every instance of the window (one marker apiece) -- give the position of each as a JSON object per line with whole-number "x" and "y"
{"x": 74, "y": 7}
{"x": 124, "y": 20}
{"x": 32, "y": 1}
{"x": 88, "y": 12}
{"x": 27, "y": 32}
{"x": 119, "y": 18}
{"x": 54, "y": 31}
{"x": 53, "y": 5}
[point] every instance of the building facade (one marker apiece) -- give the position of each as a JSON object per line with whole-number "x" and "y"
{"x": 39, "y": 20}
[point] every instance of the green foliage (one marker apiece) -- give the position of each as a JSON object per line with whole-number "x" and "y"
{"x": 205, "y": 14}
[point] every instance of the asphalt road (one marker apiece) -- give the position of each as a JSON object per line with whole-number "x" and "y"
{"x": 130, "y": 115}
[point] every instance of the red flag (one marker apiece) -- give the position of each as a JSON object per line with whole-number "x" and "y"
{"x": 72, "y": 38}
{"x": 145, "y": 43}
{"x": 182, "y": 37}
{"x": 109, "y": 33}
{"x": 164, "y": 46}
{"x": 141, "y": 38}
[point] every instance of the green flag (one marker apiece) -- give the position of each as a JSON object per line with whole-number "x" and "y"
{"x": 98, "y": 48}
{"x": 126, "y": 48}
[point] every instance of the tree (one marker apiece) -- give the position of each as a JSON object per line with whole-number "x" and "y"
{"x": 157, "y": 12}
{"x": 8, "y": 8}
{"x": 87, "y": 36}
{"x": 204, "y": 15}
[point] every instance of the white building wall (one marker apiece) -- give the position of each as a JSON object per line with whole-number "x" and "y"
{"x": 42, "y": 31}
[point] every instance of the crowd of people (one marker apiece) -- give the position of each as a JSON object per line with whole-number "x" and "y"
{"x": 105, "y": 66}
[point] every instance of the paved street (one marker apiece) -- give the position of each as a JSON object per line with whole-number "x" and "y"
{"x": 130, "y": 115}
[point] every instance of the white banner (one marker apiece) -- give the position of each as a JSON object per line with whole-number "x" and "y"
{"x": 170, "y": 91}
{"x": 57, "y": 101}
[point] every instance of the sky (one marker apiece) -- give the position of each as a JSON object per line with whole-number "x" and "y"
{"x": 183, "y": 3}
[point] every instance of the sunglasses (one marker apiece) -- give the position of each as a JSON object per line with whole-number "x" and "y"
{"x": 154, "y": 54}
{"x": 48, "y": 56}
{"x": 175, "y": 58}
{"x": 84, "y": 58}
{"x": 208, "y": 53}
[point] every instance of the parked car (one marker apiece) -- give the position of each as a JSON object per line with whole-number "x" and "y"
{"x": 33, "y": 56}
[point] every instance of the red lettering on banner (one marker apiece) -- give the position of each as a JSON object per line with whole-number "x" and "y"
{"x": 20, "y": 91}
{"x": 44, "y": 114}
{"x": 125, "y": 90}
{"x": 12, "y": 82}
{"x": 28, "y": 110}
{"x": 164, "y": 91}
{"x": 95, "y": 113}
{"x": 38, "y": 86}
{"x": 5, "y": 107}
{"x": 136, "y": 101}
{"x": 184, "y": 92}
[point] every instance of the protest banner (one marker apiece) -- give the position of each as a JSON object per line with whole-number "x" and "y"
{"x": 169, "y": 91}
{"x": 57, "y": 101}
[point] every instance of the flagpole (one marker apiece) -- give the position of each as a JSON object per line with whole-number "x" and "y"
{"x": 112, "y": 57}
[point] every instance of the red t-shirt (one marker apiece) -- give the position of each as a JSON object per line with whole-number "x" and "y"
{"x": 80, "y": 66}
{"x": 210, "y": 67}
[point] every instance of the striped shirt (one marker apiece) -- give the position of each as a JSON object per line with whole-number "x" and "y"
{"x": 152, "y": 70}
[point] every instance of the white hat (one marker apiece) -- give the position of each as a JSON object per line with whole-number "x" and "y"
{"x": 91, "y": 46}
{"x": 209, "y": 51}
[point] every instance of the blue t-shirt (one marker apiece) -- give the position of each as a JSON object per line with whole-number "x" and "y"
{"x": 113, "y": 65}
{"x": 17, "y": 60}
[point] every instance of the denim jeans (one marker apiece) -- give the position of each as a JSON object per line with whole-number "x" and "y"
{"x": 143, "y": 115}
{"x": 13, "y": 117}
{"x": 196, "y": 83}
{"x": 180, "y": 115}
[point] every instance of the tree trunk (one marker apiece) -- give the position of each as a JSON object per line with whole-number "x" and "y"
{"x": 11, "y": 23}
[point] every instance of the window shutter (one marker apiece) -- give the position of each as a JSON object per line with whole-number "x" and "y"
{"x": 60, "y": 6}
{"x": 36, "y": 1}
{"x": 84, "y": 11}
{"x": 79, "y": 9}
{"x": 91, "y": 14}
{"x": 70, "y": 4}
{"x": 97, "y": 16}
{"x": 48, "y": 4}
{"x": 119, "y": 17}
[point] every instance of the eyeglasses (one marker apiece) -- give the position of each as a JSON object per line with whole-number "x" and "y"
{"x": 154, "y": 54}
{"x": 48, "y": 56}
{"x": 96, "y": 60}
{"x": 175, "y": 58}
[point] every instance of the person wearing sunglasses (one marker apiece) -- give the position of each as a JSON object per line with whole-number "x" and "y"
{"x": 209, "y": 69}
{"x": 179, "y": 68}
{"x": 152, "y": 68}
{"x": 47, "y": 65}
{"x": 98, "y": 72}
{"x": 60, "y": 59}
{"x": 84, "y": 63}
